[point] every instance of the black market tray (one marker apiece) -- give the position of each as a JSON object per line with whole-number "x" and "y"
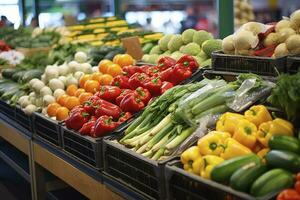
{"x": 264, "y": 66}
{"x": 142, "y": 174}
{"x": 7, "y": 110}
{"x": 24, "y": 120}
{"x": 183, "y": 185}
{"x": 47, "y": 129}
{"x": 293, "y": 64}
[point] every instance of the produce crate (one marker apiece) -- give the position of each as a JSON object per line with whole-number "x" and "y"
{"x": 183, "y": 185}
{"x": 142, "y": 174}
{"x": 7, "y": 110}
{"x": 264, "y": 66}
{"x": 24, "y": 120}
{"x": 293, "y": 64}
{"x": 47, "y": 129}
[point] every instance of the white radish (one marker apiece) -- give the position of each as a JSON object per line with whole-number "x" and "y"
{"x": 30, "y": 109}
{"x": 63, "y": 79}
{"x": 80, "y": 57}
{"x": 71, "y": 81}
{"x": 45, "y": 91}
{"x": 55, "y": 84}
{"x": 48, "y": 99}
{"x": 38, "y": 85}
{"x": 57, "y": 93}
{"x": 78, "y": 75}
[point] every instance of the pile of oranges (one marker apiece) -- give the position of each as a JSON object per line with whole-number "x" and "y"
{"x": 89, "y": 84}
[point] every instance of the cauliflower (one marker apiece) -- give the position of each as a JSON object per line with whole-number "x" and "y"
{"x": 201, "y": 36}
{"x": 211, "y": 45}
{"x": 163, "y": 42}
{"x": 175, "y": 43}
{"x": 191, "y": 49}
{"x": 228, "y": 45}
{"x": 155, "y": 50}
{"x": 176, "y": 55}
{"x": 187, "y": 36}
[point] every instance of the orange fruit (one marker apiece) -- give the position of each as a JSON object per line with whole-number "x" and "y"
{"x": 116, "y": 58}
{"x": 103, "y": 65}
{"x": 72, "y": 102}
{"x": 52, "y": 109}
{"x": 124, "y": 60}
{"x": 83, "y": 79}
{"x": 71, "y": 90}
{"x": 79, "y": 91}
{"x": 106, "y": 79}
{"x": 62, "y": 113}
{"x": 62, "y": 100}
{"x": 114, "y": 70}
{"x": 84, "y": 97}
{"x": 91, "y": 86}
{"x": 96, "y": 76}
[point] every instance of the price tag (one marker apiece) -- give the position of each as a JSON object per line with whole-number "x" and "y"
{"x": 133, "y": 47}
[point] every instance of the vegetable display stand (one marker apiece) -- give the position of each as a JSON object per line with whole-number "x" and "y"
{"x": 31, "y": 51}
{"x": 24, "y": 120}
{"x": 183, "y": 185}
{"x": 293, "y": 64}
{"x": 144, "y": 175}
{"x": 7, "y": 110}
{"x": 47, "y": 129}
{"x": 85, "y": 148}
{"x": 264, "y": 66}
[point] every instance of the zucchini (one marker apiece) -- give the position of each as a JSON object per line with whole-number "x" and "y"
{"x": 31, "y": 74}
{"x": 283, "y": 142}
{"x": 243, "y": 178}
{"x": 18, "y": 75}
{"x": 8, "y": 73}
{"x": 272, "y": 181}
{"x": 283, "y": 159}
{"x": 222, "y": 172}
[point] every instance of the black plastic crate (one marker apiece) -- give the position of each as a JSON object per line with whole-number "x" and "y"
{"x": 293, "y": 64}
{"x": 264, "y": 66}
{"x": 183, "y": 185}
{"x": 142, "y": 174}
{"x": 7, "y": 110}
{"x": 24, "y": 120}
{"x": 47, "y": 129}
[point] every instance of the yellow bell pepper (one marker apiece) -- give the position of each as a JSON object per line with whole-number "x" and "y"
{"x": 245, "y": 133}
{"x": 211, "y": 144}
{"x": 276, "y": 127}
{"x": 209, "y": 162}
{"x": 258, "y": 115}
{"x": 192, "y": 160}
{"x": 262, "y": 153}
{"x": 233, "y": 148}
{"x": 228, "y": 121}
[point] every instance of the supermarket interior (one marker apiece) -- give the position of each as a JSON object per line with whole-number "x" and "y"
{"x": 150, "y": 99}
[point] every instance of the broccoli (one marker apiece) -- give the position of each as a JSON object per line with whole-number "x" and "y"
{"x": 191, "y": 49}
{"x": 201, "y": 36}
{"x": 187, "y": 36}
{"x": 155, "y": 50}
{"x": 175, "y": 43}
{"x": 211, "y": 45}
{"x": 163, "y": 42}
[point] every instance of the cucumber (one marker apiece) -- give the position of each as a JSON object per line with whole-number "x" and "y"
{"x": 274, "y": 180}
{"x": 283, "y": 142}
{"x": 222, "y": 172}
{"x": 243, "y": 178}
{"x": 283, "y": 159}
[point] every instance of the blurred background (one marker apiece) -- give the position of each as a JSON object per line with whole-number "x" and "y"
{"x": 168, "y": 16}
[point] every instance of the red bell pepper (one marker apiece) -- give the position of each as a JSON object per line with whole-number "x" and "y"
{"x": 145, "y": 68}
{"x": 109, "y": 93}
{"x": 165, "y": 63}
{"x": 77, "y": 119}
{"x": 152, "y": 71}
{"x": 137, "y": 80}
{"x": 132, "y": 103}
{"x": 104, "y": 125}
{"x": 153, "y": 85}
{"x": 89, "y": 107}
{"x": 288, "y": 194}
{"x": 188, "y": 62}
{"x": 180, "y": 73}
{"x": 121, "y": 81}
{"x": 94, "y": 99}
{"x": 129, "y": 70}
{"x": 77, "y": 109}
{"x": 107, "y": 108}
{"x": 124, "y": 117}
{"x": 166, "y": 75}
{"x": 143, "y": 94}
{"x": 165, "y": 86}
{"x": 87, "y": 127}
{"x": 122, "y": 95}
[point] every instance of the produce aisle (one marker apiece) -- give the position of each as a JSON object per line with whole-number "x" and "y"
{"x": 104, "y": 109}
